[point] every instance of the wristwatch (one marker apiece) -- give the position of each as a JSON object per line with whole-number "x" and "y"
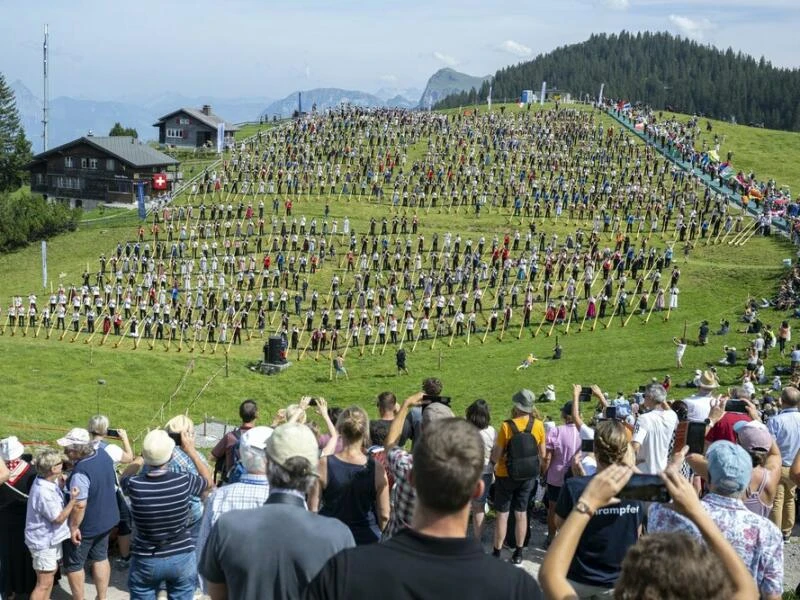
{"x": 583, "y": 508}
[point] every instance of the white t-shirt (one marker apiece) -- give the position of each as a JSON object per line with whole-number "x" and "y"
{"x": 115, "y": 452}
{"x": 488, "y": 435}
{"x": 699, "y": 406}
{"x": 653, "y": 433}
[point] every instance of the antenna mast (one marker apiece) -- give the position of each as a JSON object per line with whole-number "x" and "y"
{"x": 46, "y": 101}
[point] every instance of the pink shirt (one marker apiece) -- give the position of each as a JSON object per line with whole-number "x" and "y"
{"x": 562, "y": 442}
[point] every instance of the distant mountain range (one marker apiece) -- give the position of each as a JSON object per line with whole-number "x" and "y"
{"x": 71, "y": 118}
{"x": 447, "y": 81}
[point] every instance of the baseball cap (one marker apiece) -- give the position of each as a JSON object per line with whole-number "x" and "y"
{"x": 256, "y": 437}
{"x": 435, "y": 411}
{"x": 76, "y": 436}
{"x": 292, "y": 440}
{"x": 523, "y": 400}
{"x": 11, "y": 448}
{"x": 729, "y": 467}
{"x": 753, "y": 435}
{"x": 157, "y": 448}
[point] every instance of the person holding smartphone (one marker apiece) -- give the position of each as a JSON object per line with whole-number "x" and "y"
{"x": 597, "y": 561}
{"x": 659, "y": 565}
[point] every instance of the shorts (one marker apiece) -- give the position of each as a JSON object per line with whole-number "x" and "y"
{"x": 90, "y": 550}
{"x": 553, "y": 492}
{"x": 124, "y": 526}
{"x": 512, "y": 495}
{"x": 46, "y": 560}
{"x": 487, "y": 483}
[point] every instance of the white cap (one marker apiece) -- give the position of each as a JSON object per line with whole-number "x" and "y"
{"x": 256, "y": 437}
{"x": 11, "y": 448}
{"x": 75, "y": 437}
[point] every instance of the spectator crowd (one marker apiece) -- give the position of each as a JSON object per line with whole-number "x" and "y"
{"x": 647, "y": 498}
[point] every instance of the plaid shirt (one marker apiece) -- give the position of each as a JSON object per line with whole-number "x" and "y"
{"x": 756, "y": 540}
{"x": 403, "y": 495}
{"x": 251, "y": 491}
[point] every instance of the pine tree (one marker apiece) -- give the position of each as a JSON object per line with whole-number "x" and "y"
{"x": 119, "y": 130}
{"x": 15, "y": 149}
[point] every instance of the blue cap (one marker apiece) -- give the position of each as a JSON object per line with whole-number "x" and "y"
{"x": 730, "y": 468}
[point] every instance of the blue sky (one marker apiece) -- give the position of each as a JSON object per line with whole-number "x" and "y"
{"x": 240, "y": 48}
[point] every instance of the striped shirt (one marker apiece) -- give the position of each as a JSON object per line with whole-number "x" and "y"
{"x": 160, "y": 510}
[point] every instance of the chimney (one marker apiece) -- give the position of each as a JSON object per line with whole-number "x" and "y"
{"x": 206, "y": 109}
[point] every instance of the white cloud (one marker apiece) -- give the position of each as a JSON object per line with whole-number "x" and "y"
{"x": 515, "y": 48}
{"x": 445, "y": 58}
{"x": 389, "y": 78}
{"x": 618, "y": 4}
{"x": 691, "y": 28}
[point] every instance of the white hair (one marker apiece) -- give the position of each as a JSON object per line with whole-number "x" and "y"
{"x": 253, "y": 460}
{"x": 98, "y": 425}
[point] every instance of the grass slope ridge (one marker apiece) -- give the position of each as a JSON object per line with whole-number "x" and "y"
{"x": 661, "y": 70}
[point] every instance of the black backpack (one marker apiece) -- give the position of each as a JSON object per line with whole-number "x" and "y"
{"x": 522, "y": 452}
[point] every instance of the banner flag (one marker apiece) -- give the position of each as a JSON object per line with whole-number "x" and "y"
{"x": 140, "y": 199}
{"x": 220, "y": 138}
{"x": 44, "y": 264}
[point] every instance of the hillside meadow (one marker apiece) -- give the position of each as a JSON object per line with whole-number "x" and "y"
{"x": 50, "y": 385}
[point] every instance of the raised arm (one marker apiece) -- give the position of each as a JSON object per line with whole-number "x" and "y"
{"x": 685, "y": 501}
{"x": 600, "y": 492}
{"x": 396, "y": 428}
{"x": 330, "y": 447}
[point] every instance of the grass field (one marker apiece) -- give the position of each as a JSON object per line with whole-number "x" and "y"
{"x": 51, "y": 385}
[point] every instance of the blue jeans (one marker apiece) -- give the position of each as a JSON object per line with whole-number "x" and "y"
{"x": 178, "y": 573}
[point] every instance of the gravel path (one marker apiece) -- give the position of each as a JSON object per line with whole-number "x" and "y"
{"x": 532, "y": 560}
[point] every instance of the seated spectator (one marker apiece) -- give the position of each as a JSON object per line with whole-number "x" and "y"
{"x": 226, "y": 451}
{"x": 352, "y": 485}
{"x": 434, "y": 558}
{"x": 163, "y": 549}
{"x": 730, "y": 356}
{"x": 479, "y": 415}
{"x": 273, "y": 551}
{"x": 668, "y": 566}
{"x": 756, "y": 540}
{"x": 611, "y": 531}
{"x": 250, "y": 491}
{"x": 46, "y": 520}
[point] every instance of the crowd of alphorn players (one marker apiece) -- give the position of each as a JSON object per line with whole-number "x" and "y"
{"x": 241, "y": 258}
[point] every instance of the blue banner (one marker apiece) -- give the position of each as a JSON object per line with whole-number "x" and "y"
{"x": 140, "y": 199}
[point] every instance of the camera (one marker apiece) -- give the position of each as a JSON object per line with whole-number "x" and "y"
{"x": 587, "y": 445}
{"x": 312, "y": 402}
{"x": 586, "y": 394}
{"x": 736, "y": 406}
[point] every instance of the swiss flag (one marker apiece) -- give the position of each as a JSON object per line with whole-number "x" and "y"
{"x": 159, "y": 181}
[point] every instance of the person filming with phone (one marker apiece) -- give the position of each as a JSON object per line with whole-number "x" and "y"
{"x": 612, "y": 530}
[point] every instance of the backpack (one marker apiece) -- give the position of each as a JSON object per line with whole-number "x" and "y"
{"x": 232, "y": 475}
{"x": 522, "y": 452}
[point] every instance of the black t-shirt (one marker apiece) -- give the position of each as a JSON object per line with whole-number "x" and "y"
{"x": 606, "y": 539}
{"x": 412, "y": 565}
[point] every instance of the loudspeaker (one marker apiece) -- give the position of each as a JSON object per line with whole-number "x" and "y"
{"x": 275, "y": 353}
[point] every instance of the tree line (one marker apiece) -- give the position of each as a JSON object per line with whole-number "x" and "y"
{"x": 661, "y": 70}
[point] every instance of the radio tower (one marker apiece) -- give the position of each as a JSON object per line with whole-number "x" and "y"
{"x": 45, "y": 102}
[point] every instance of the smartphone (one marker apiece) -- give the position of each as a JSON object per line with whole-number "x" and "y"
{"x": 696, "y": 438}
{"x": 427, "y": 399}
{"x": 647, "y": 488}
{"x": 585, "y": 395}
{"x": 611, "y": 412}
{"x": 176, "y": 437}
{"x": 736, "y": 406}
{"x": 587, "y": 445}
{"x": 112, "y": 433}
{"x": 312, "y": 402}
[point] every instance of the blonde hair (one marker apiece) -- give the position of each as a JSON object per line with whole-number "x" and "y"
{"x": 46, "y": 459}
{"x": 292, "y": 410}
{"x": 179, "y": 424}
{"x": 611, "y": 443}
{"x": 353, "y": 425}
